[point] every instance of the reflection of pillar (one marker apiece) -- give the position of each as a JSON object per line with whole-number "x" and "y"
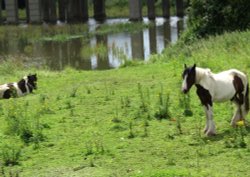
{"x": 76, "y": 60}
{"x": 11, "y": 11}
{"x": 180, "y": 27}
{"x": 75, "y": 47}
{"x": 99, "y": 10}
{"x": 167, "y": 33}
{"x": 48, "y": 52}
{"x": 152, "y": 39}
{"x": 34, "y": 9}
{"x": 77, "y": 11}
{"x": 151, "y": 9}
{"x": 62, "y": 48}
{"x": 102, "y": 59}
{"x": 135, "y": 7}
{"x": 166, "y": 8}
{"x": 137, "y": 45}
{"x": 179, "y": 8}
{"x": 84, "y": 62}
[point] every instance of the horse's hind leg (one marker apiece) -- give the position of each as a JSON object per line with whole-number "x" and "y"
{"x": 236, "y": 117}
{"x": 240, "y": 101}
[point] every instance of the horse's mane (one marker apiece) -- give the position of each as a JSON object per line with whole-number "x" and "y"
{"x": 201, "y": 72}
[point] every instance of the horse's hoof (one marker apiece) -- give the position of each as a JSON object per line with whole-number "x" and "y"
{"x": 210, "y": 133}
{"x": 233, "y": 124}
{"x": 205, "y": 130}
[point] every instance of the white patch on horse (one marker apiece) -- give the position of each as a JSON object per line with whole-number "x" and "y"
{"x": 26, "y": 86}
{"x": 184, "y": 83}
{"x": 3, "y": 88}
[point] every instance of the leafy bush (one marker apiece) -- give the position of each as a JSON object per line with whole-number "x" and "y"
{"x": 10, "y": 153}
{"x": 210, "y": 17}
{"x": 22, "y": 123}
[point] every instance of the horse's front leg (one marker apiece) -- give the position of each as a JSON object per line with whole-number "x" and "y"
{"x": 210, "y": 125}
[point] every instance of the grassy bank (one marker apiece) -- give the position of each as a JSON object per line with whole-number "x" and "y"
{"x": 132, "y": 121}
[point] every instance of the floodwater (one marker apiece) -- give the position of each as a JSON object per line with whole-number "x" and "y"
{"x": 134, "y": 46}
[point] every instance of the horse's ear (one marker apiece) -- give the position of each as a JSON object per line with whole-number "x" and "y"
{"x": 194, "y": 66}
{"x": 185, "y": 66}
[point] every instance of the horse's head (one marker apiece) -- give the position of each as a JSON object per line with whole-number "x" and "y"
{"x": 31, "y": 80}
{"x": 188, "y": 76}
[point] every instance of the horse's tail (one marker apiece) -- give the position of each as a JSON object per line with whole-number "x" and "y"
{"x": 247, "y": 98}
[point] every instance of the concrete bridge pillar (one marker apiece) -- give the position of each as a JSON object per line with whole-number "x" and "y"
{"x": 99, "y": 10}
{"x": 179, "y": 8}
{"x": 166, "y": 8}
{"x": 84, "y": 10}
{"x": 151, "y": 9}
{"x": 135, "y": 7}
{"x": 152, "y": 39}
{"x": 49, "y": 11}
{"x": 1, "y": 18}
{"x": 34, "y": 11}
{"x": 11, "y": 11}
{"x": 77, "y": 11}
{"x": 62, "y": 10}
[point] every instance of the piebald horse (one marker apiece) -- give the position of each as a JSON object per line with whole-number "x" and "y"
{"x": 16, "y": 89}
{"x": 226, "y": 85}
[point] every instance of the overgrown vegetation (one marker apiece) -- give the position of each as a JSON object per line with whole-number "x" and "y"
{"x": 131, "y": 121}
{"x": 211, "y": 17}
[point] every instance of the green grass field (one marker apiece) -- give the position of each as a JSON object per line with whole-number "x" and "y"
{"x": 132, "y": 121}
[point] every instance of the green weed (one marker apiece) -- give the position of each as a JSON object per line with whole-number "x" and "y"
{"x": 131, "y": 132}
{"x": 163, "y": 111}
{"x": 10, "y": 153}
{"x": 184, "y": 102}
{"x": 237, "y": 138}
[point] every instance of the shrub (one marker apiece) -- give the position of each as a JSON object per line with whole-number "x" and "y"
{"x": 210, "y": 17}
{"x": 10, "y": 153}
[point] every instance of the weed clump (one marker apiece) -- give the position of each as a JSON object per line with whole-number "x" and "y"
{"x": 163, "y": 106}
{"x": 10, "y": 152}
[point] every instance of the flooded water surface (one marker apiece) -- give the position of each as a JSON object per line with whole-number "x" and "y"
{"x": 115, "y": 48}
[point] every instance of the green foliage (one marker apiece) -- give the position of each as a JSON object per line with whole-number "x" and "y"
{"x": 10, "y": 152}
{"x": 210, "y": 17}
{"x": 184, "y": 102}
{"x": 236, "y": 138}
{"x": 163, "y": 106}
{"x": 20, "y": 123}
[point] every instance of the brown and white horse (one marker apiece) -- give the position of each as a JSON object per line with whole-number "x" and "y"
{"x": 16, "y": 89}
{"x": 226, "y": 85}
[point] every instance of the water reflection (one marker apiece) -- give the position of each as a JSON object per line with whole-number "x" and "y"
{"x": 137, "y": 42}
{"x": 58, "y": 55}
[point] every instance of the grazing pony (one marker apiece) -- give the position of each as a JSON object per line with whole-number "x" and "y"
{"x": 227, "y": 85}
{"x": 20, "y": 88}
